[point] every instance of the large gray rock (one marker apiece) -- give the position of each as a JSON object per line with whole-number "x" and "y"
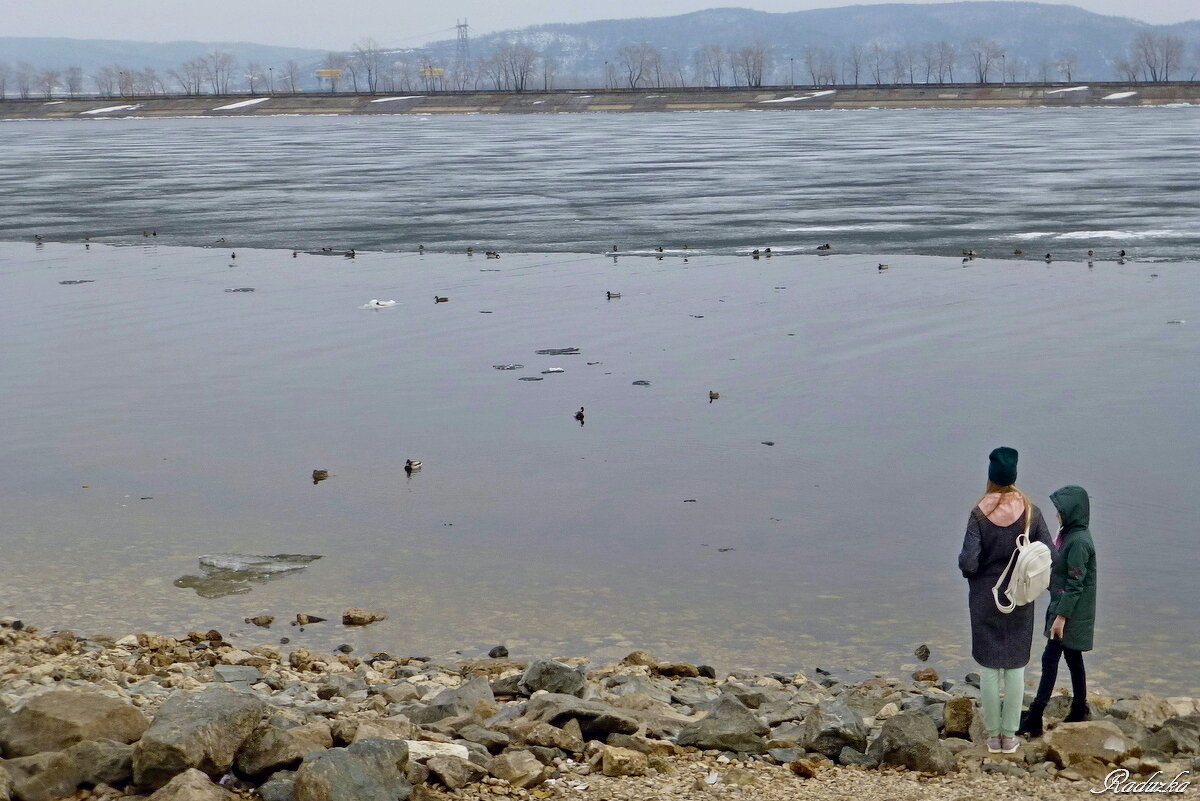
{"x": 201, "y": 730}
{"x": 910, "y": 739}
{"x": 369, "y": 770}
{"x": 271, "y": 748}
{"x": 58, "y": 719}
{"x": 5, "y": 784}
{"x": 280, "y": 787}
{"x": 519, "y": 768}
{"x": 596, "y": 719}
{"x": 47, "y": 776}
{"x": 103, "y": 761}
{"x": 553, "y": 677}
{"x": 1176, "y": 736}
{"x": 455, "y": 701}
{"x": 192, "y": 785}
{"x": 729, "y": 726}
{"x": 493, "y": 741}
{"x": 832, "y": 726}
{"x": 454, "y": 772}
{"x": 1074, "y": 743}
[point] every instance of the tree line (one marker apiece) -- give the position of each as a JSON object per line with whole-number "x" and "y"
{"x": 515, "y": 65}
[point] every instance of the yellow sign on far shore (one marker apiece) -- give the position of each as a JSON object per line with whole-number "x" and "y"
{"x": 329, "y": 73}
{"x": 432, "y": 72}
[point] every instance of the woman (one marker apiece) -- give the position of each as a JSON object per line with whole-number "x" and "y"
{"x": 1072, "y": 611}
{"x": 1000, "y": 642}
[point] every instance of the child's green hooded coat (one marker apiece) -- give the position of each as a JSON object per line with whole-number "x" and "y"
{"x": 1073, "y": 576}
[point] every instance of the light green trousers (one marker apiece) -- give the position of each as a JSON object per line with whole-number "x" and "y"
{"x": 1002, "y": 717}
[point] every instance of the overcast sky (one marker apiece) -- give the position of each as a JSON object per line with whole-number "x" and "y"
{"x": 391, "y": 22}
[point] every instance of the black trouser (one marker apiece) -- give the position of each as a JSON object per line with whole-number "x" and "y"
{"x": 1054, "y": 650}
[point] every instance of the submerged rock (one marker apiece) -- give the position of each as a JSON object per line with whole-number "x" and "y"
{"x": 508, "y": 367}
{"x": 557, "y": 352}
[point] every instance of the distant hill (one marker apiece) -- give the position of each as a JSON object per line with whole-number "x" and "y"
{"x": 93, "y": 54}
{"x": 1031, "y": 35}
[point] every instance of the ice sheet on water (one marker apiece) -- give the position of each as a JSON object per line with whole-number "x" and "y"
{"x": 234, "y": 573}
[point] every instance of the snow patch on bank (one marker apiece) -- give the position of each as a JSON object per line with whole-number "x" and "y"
{"x": 242, "y": 104}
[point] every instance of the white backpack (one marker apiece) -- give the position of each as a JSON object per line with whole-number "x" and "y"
{"x": 1029, "y": 568}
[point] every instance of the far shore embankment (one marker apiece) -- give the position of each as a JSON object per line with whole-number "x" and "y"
{"x": 776, "y": 98}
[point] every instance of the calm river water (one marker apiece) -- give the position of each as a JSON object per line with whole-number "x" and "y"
{"x": 195, "y": 416}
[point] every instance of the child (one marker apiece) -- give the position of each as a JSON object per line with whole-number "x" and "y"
{"x": 1071, "y": 615}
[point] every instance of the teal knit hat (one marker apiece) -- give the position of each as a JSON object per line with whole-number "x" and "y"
{"x": 1002, "y": 467}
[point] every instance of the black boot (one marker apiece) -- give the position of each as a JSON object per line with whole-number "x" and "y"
{"x": 1031, "y": 721}
{"x": 1078, "y": 712}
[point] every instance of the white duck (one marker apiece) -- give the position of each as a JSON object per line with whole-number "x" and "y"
{"x": 375, "y": 303}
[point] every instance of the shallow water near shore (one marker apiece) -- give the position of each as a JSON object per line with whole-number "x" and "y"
{"x": 195, "y": 418}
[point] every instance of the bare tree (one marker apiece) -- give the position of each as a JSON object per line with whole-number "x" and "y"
{"x": 852, "y": 63}
{"x": 752, "y": 61}
{"x": 877, "y": 57}
{"x": 904, "y": 64}
{"x": 819, "y": 62}
{"x": 549, "y": 70}
{"x": 219, "y": 66}
{"x": 336, "y": 64}
{"x": 1066, "y": 62}
{"x": 255, "y": 76}
{"x": 1126, "y": 68}
{"x": 5, "y": 71}
{"x": 1157, "y": 55}
{"x": 74, "y": 80}
{"x": 1172, "y": 48}
{"x": 638, "y": 63}
{"x": 947, "y": 58}
{"x": 710, "y": 65}
{"x": 983, "y": 54}
{"x": 290, "y": 75}
{"x": 105, "y": 80}
{"x": 47, "y": 81}
{"x": 368, "y": 59}
{"x": 26, "y": 75}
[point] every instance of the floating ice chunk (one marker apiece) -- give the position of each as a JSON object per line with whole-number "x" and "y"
{"x": 558, "y": 352}
{"x": 374, "y": 303}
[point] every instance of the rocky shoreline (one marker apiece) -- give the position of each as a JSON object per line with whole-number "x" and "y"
{"x": 197, "y": 718}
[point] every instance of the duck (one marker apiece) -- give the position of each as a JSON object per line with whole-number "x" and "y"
{"x": 319, "y": 476}
{"x": 233, "y": 255}
{"x": 470, "y": 251}
{"x": 712, "y": 396}
{"x": 612, "y": 295}
{"x": 380, "y": 304}
{"x": 767, "y": 253}
{"x": 579, "y": 414}
{"x": 38, "y": 238}
{"x": 658, "y": 249}
{"x": 493, "y": 254}
{"x": 295, "y": 254}
{"x": 1121, "y": 254}
{"x": 437, "y": 299}
{"x": 754, "y": 253}
{"x": 221, "y": 241}
{"x": 826, "y": 246}
{"x": 411, "y": 464}
{"x": 1091, "y": 253}
{"x": 1047, "y": 257}
{"x": 883, "y": 267}
{"x": 420, "y": 247}
{"x": 970, "y": 253}
{"x": 350, "y": 254}
{"x": 87, "y": 245}
{"x": 615, "y": 249}
{"x": 145, "y": 233}
{"x": 1018, "y": 252}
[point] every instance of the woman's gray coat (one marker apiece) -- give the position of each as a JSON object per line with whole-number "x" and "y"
{"x": 997, "y": 640}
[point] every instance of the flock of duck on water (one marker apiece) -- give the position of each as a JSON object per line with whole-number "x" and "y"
{"x": 968, "y": 254}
